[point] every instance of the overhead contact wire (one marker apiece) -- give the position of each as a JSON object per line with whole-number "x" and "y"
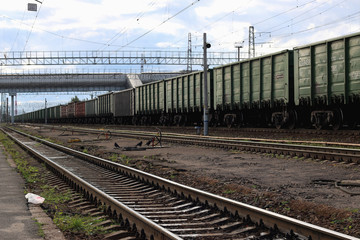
{"x": 168, "y": 19}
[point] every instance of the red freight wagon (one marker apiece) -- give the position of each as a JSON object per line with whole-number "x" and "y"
{"x": 63, "y": 111}
{"x": 80, "y": 109}
{"x": 71, "y": 110}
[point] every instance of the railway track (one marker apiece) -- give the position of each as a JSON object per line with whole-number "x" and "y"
{"x": 348, "y": 153}
{"x": 234, "y": 132}
{"x": 160, "y": 209}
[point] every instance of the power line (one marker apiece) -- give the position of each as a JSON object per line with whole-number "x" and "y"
{"x": 168, "y": 19}
{"x": 305, "y": 19}
{"x": 292, "y": 9}
{"x": 125, "y": 29}
{"x": 276, "y": 15}
{"x": 289, "y": 10}
{"x": 56, "y": 34}
{"x": 348, "y": 17}
{"x": 17, "y": 34}
{"x": 37, "y": 14}
{"x": 108, "y": 43}
{"x": 218, "y": 19}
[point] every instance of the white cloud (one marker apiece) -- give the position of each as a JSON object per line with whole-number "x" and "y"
{"x": 225, "y": 21}
{"x": 167, "y": 45}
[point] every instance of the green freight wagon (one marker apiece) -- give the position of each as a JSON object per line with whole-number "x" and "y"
{"x": 184, "y": 98}
{"x": 54, "y": 115}
{"x": 40, "y": 117}
{"x": 327, "y": 82}
{"x": 255, "y": 91}
{"x": 51, "y": 114}
{"x": 149, "y": 103}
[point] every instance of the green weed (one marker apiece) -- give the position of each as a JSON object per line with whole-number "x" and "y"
{"x": 114, "y": 157}
{"x": 78, "y": 223}
{"x": 40, "y": 229}
{"x": 30, "y": 173}
{"x": 53, "y": 196}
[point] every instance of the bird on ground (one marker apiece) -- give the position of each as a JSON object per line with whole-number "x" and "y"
{"x": 148, "y": 142}
{"x": 116, "y": 145}
{"x": 139, "y": 144}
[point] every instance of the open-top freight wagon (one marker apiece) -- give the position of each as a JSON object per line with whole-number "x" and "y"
{"x": 327, "y": 82}
{"x": 313, "y": 85}
{"x": 257, "y": 91}
{"x": 173, "y": 101}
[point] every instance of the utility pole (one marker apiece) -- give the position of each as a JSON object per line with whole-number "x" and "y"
{"x": 12, "y": 107}
{"x": 206, "y": 45}
{"x": 7, "y": 110}
{"x": 45, "y": 111}
{"x": 251, "y": 42}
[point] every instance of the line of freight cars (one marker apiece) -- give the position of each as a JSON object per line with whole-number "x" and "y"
{"x": 312, "y": 85}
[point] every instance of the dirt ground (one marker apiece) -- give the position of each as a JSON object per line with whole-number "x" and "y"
{"x": 276, "y": 183}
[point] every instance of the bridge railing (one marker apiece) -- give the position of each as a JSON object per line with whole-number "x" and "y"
{"x": 113, "y": 58}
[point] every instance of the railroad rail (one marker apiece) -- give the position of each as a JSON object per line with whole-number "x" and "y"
{"x": 161, "y": 209}
{"x": 339, "y": 152}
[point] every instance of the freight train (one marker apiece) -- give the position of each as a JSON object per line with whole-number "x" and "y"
{"x": 313, "y": 85}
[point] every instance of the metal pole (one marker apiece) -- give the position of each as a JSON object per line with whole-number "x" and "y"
{"x": 12, "y": 108}
{"x": 7, "y": 110}
{"x": 45, "y": 111}
{"x": 206, "y": 110}
{"x": 1, "y": 108}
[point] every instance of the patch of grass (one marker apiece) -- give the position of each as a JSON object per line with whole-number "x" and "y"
{"x": 78, "y": 223}
{"x": 53, "y": 196}
{"x": 355, "y": 210}
{"x": 125, "y": 159}
{"x": 285, "y": 205}
{"x": 229, "y": 191}
{"x": 114, "y": 157}
{"x": 40, "y": 229}
{"x": 29, "y": 172}
{"x": 55, "y": 201}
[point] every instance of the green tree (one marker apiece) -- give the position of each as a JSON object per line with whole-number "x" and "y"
{"x": 75, "y": 99}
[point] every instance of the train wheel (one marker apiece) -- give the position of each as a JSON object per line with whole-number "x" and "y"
{"x": 338, "y": 118}
{"x": 183, "y": 121}
{"x": 292, "y": 119}
{"x": 318, "y": 125}
{"x": 229, "y": 120}
{"x": 278, "y": 120}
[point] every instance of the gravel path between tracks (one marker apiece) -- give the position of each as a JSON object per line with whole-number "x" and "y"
{"x": 285, "y": 185}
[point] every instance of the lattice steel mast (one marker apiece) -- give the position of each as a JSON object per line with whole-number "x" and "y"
{"x": 251, "y": 42}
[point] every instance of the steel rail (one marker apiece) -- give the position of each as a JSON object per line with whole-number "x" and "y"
{"x": 269, "y": 219}
{"x": 151, "y": 229}
{"x": 340, "y": 154}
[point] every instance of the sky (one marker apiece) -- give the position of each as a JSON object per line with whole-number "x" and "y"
{"x": 164, "y": 25}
